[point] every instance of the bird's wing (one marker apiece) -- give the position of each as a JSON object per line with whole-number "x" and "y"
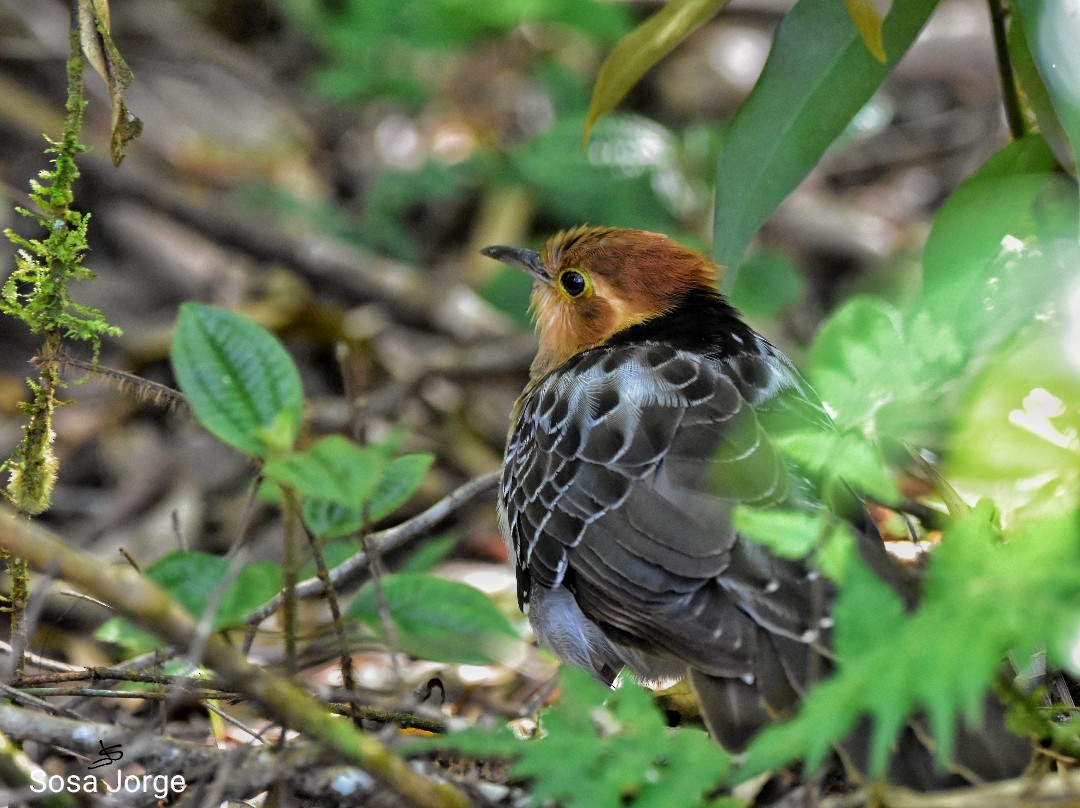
{"x": 621, "y": 477}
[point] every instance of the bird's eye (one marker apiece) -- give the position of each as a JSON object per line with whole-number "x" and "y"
{"x": 573, "y": 283}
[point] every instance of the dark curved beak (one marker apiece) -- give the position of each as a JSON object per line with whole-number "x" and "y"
{"x": 519, "y": 257}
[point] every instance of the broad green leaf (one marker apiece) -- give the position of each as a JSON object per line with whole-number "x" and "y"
{"x": 868, "y": 20}
{"x": 818, "y": 75}
{"x": 192, "y": 578}
{"x": 1052, "y": 29}
{"x": 333, "y": 469}
{"x": 399, "y": 479}
{"x": 642, "y": 48}
{"x": 437, "y": 619}
{"x": 239, "y": 381}
{"x": 984, "y": 271}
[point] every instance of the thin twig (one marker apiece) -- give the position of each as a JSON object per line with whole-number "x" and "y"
{"x": 129, "y": 383}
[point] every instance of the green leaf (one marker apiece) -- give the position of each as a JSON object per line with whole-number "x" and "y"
{"x": 398, "y": 481}
{"x": 192, "y": 578}
{"x": 818, "y": 75}
{"x": 430, "y": 554}
{"x": 982, "y": 267}
{"x": 642, "y": 48}
{"x": 1052, "y": 29}
{"x": 613, "y": 182}
{"x": 333, "y": 469}
{"x": 239, "y": 381}
{"x": 437, "y": 619}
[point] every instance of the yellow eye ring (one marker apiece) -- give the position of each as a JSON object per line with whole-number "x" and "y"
{"x": 575, "y": 283}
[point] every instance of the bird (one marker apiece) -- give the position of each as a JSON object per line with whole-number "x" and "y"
{"x": 651, "y": 414}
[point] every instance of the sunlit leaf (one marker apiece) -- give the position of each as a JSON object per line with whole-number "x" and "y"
{"x": 642, "y": 48}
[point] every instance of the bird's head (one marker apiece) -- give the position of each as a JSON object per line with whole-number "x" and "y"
{"x": 593, "y": 282}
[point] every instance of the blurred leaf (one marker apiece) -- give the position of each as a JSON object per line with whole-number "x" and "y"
{"x": 982, "y": 267}
{"x": 868, "y": 20}
{"x": 639, "y": 50}
{"x": 1017, "y": 436}
{"x": 610, "y": 748}
{"x": 437, "y": 619}
{"x": 881, "y": 373}
{"x": 840, "y": 462}
{"x": 334, "y": 553}
{"x": 818, "y": 75}
{"x": 398, "y": 47}
{"x": 1052, "y": 29}
{"x": 430, "y": 554}
{"x": 768, "y": 283}
{"x": 192, "y": 578}
{"x": 798, "y": 535}
{"x": 890, "y": 664}
{"x": 333, "y": 469}
{"x": 397, "y": 480}
{"x": 239, "y": 381}
{"x": 97, "y": 45}
{"x": 611, "y": 183}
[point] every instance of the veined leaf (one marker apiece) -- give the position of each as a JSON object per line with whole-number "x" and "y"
{"x": 239, "y": 381}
